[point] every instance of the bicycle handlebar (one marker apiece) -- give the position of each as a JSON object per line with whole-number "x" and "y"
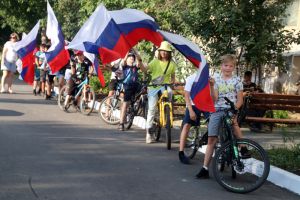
{"x": 232, "y": 106}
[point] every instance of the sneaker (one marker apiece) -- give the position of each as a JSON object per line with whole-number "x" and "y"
{"x": 203, "y": 174}
{"x": 149, "y": 139}
{"x": 48, "y": 97}
{"x": 245, "y": 153}
{"x": 121, "y": 127}
{"x": 183, "y": 159}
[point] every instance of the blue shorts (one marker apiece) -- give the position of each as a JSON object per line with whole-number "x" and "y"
{"x": 187, "y": 119}
{"x": 215, "y": 124}
{"x": 9, "y": 66}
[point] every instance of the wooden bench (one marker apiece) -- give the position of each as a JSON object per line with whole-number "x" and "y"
{"x": 271, "y": 102}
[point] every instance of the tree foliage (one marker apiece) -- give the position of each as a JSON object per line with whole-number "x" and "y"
{"x": 251, "y": 29}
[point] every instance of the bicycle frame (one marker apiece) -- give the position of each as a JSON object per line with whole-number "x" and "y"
{"x": 162, "y": 102}
{"x": 228, "y": 121}
{"x": 81, "y": 86}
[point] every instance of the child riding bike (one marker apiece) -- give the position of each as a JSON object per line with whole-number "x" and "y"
{"x": 162, "y": 70}
{"x": 226, "y": 85}
{"x": 131, "y": 84}
{"x": 80, "y": 68}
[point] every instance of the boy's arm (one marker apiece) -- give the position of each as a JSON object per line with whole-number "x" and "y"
{"x": 239, "y": 101}
{"x": 189, "y": 105}
{"x": 213, "y": 92}
{"x": 173, "y": 78}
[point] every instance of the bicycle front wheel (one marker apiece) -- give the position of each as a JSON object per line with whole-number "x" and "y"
{"x": 168, "y": 126}
{"x": 87, "y": 101}
{"x": 245, "y": 174}
{"x": 109, "y": 110}
{"x": 62, "y": 97}
{"x": 129, "y": 117}
{"x": 192, "y": 142}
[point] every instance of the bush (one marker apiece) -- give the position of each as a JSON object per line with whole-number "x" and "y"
{"x": 96, "y": 85}
{"x": 286, "y": 158}
{"x": 278, "y": 114}
{"x": 179, "y": 98}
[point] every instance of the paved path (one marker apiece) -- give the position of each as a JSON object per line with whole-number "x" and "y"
{"x": 48, "y": 154}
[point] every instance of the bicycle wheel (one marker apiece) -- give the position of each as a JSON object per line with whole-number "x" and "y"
{"x": 249, "y": 172}
{"x": 109, "y": 110}
{"x": 87, "y": 101}
{"x": 168, "y": 126}
{"x": 192, "y": 142}
{"x": 130, "y": 113}
{"x": 61, "y": 99}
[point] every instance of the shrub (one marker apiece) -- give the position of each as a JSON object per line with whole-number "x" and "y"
{"x": 179, "y": 98}
{"x": 286, "y": 158}
{"x": 277, "y": 114}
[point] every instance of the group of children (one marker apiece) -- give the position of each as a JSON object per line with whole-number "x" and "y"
{"x": 43, "y": 76}
{"x": 226, "y": 85}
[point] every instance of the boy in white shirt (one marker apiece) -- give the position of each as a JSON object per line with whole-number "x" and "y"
{"x": 191, "y": 117}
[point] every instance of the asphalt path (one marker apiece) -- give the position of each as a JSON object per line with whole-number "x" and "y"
{"x": 46, "y": 153}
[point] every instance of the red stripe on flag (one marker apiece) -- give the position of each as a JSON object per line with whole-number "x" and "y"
{"x": 144, "y": 34}
{"x": 203, "y": 100}
{"x": 59, "y": 61}
{"x": 28, "y": 65}
{"x": 101, "y": 77}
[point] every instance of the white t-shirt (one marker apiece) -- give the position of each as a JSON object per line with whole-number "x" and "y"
{"x": 11, "y": 55}
{"x": 189, "y": 83}
{"x": 119, "y": 71}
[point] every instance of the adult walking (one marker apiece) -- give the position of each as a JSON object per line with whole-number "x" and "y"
{"x": 8, "y": 63}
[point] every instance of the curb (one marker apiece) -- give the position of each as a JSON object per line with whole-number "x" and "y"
{"x": 276, "y": 176}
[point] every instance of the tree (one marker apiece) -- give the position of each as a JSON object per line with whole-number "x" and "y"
{"x": 255, "y": 28}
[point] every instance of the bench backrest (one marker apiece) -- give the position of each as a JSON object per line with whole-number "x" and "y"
{"x": 275, "y": 102}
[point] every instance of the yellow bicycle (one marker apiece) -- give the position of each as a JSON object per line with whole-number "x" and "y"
{"x": 164, "y": 117}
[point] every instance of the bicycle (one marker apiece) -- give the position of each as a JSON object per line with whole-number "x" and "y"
{"x": 196, "y": 138}
{"x": 110, "y": 106}
{"x": 87, "y": 99}
{"x": 137, "y": 107}
{"x": 234, "y": 171}
{"x": 165, "y": 114}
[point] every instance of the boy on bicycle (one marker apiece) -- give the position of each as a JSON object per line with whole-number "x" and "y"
{"x": 80, "y": 68}
{"x": 225, "y": 85}
{"x": 131, "y": 84}
{"x": 191, "y": 117}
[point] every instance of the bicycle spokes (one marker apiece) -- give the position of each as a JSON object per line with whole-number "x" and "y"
{"x": 241, "y": 174}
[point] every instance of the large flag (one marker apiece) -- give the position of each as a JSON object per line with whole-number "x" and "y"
{"x": 97, "y": 69}
{"x": 25, "y": 50}
{"x": 135, "y": 25}
{"x": 57, "y": 56}
{"x": 200, "y": 92}
{"x": 113, "y": 33}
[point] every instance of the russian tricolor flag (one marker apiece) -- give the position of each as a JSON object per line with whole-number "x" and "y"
{"x": 25, "y": 50}
{"x": 97, "y": 69}
{"x": 200, "y": 92}
{"x": 57, "y": 56}
{"x": 135, "y": 25}
{"x": 113, "y": 33}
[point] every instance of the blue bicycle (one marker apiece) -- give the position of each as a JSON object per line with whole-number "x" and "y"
{"x": 83, "y": 100}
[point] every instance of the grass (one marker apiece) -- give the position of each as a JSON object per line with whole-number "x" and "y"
{"x": 286, "y": 158}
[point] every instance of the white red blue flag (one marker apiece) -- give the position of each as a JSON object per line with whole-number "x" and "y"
{"x": 57, "y": 56}
{"x": 25, "y": 50}
{"x": 111, "y": 34}
{"x": 96, "y": 65}
{"x": 135, "y": 25}
{"x": 200, "y": 92}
